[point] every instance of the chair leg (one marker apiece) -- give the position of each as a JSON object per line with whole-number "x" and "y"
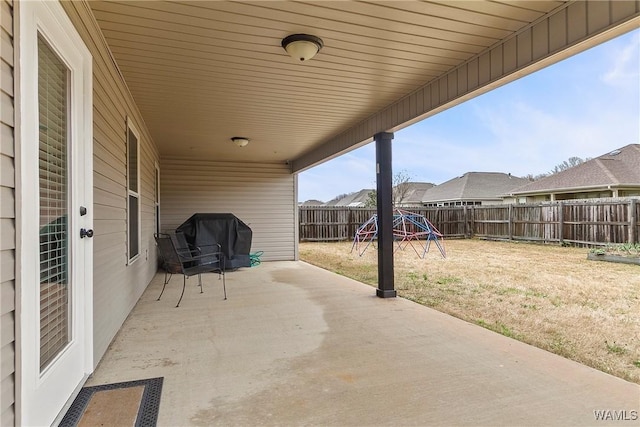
{"x": 165, "y": 283}
{"x": 224, "y": 284}
{"x": 200, "y": 283}
{"x": 184, "y": 283}
{"x": 223, "y": 276}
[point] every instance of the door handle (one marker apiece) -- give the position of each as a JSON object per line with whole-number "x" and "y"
{"x": 86, "y": 233}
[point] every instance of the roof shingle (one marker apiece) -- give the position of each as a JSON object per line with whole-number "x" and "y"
{"x": 474, "y": 186}
{"x": 616, "y": 168}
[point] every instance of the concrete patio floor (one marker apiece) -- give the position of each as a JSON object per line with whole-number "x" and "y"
{"x": 297, "y": 345}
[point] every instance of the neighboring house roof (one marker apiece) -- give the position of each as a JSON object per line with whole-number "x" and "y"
{"x": 416, "y": 192}
{"x": 475, "y": 186}
{"x": 312, "y": 202}
{"x": 618, "y": 168}
{"x": 358, "y": 198}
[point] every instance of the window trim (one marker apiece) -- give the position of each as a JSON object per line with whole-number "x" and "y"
{"x": 156, "y": 196}
{"x": 130, "y": 193}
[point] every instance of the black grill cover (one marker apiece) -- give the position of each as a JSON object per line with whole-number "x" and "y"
{"x": 224, "y": 228}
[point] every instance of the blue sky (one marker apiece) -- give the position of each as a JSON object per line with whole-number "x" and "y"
{"x": 584, "y": 106}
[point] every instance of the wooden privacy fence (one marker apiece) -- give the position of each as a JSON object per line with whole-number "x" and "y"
{"x": 568, "y": 222}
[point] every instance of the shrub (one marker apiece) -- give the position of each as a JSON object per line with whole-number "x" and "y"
{"x": 621, "y": 249}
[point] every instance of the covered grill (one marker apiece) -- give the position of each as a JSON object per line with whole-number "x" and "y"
{"x": 203, "y": 229}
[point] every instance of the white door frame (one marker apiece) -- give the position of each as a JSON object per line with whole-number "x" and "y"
{"x": 49, "y": 19}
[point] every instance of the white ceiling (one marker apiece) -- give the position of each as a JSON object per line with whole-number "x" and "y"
{"x": 202, "y": 72}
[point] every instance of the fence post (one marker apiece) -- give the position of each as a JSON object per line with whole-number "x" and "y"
{"x": 560, "y": 223}
{"x": 472, "y": 222}
{"x": 510, "y": 224}
{"x": 466, "y": 222}
{"x": 632, "y": 221}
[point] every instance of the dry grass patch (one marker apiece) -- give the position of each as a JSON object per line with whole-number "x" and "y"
{"x": 548, "y": 296}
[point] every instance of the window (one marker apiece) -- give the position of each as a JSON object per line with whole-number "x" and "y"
{"x": 133, "y": 190}
{"x": 53, "y": 165}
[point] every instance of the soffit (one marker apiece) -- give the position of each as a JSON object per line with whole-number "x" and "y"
{"x": 202, "y": 72}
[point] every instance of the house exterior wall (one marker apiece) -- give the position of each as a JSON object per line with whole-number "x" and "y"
{"x": 117, "y": 284}
{"x": 459, "y": 203}
{"x": 7, "y": 217}
{"x": 534, "y": 199}
{"x": 596, "y": 194}
{"x": 261, "y": 195}
{"x": 629, "y": 193}
{"x": 584, "y": 195}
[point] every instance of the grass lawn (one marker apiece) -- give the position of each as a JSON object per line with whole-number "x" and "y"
{"x": 549, "y": 296}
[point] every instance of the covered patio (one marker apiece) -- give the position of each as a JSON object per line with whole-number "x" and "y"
{"x": 163, "y": 109}
{"x": 298, "y": 345}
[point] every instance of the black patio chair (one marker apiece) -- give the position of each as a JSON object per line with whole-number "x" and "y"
{"x": 182, "y": 246}
{"x": 188, "y": 262}
{"x": 186, "y": 249}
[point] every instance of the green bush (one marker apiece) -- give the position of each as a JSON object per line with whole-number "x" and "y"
{"x": 621, "y": 249}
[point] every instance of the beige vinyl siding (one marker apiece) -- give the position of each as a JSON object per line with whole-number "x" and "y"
{"x": 117, "y": 286}
{"x": 261, "y": 195}
{"x": 7, "y": 219}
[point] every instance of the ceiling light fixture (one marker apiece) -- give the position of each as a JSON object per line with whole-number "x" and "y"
{"x": 302, "y": 47}
{"x": 240, "y": 141}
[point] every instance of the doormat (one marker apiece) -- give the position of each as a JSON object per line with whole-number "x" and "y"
{"x": 134, "y": 403}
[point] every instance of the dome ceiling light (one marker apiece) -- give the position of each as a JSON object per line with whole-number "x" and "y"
{"x": 302, "y": 47}
{"x": 240, "y": 141}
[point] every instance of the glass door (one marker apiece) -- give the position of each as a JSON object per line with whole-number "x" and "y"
{"x": 55, "y": 220}
{"x": 54, "y": 200}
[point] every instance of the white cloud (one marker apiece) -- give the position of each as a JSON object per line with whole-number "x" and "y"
{"x": 625, "y": 68}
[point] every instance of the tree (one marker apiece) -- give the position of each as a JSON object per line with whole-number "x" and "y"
{"x": 401, "y": 186}
{"x": 531, "y": 177}
{"x": 372, "y": 199}
{"x": 571, "y": 162}
{"x": 567, "y": 164}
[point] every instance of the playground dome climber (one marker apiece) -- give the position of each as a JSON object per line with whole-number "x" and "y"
{"x": 409, "y": 229}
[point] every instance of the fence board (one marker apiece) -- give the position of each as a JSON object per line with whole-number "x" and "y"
{"x": 583, "y": 223}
